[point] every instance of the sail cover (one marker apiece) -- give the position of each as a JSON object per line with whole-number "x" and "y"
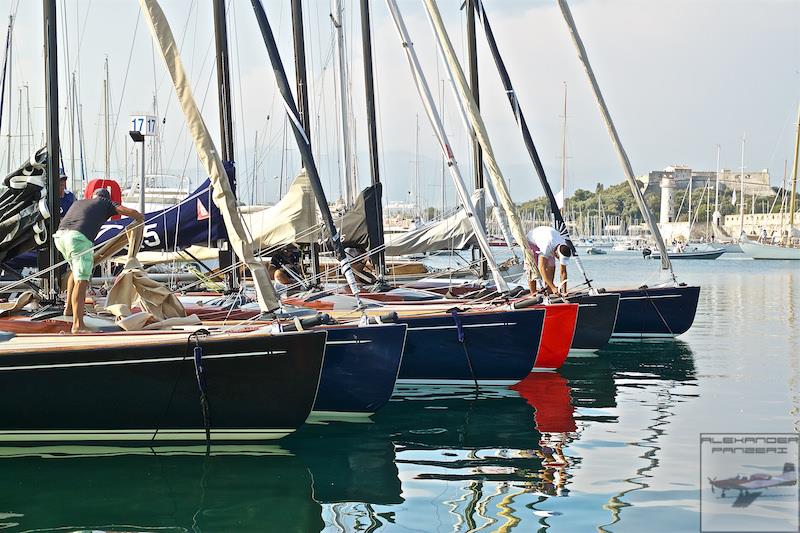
{"x": 452, "y": 233}
{"x": 209, "y": 156}
{"x": 292, "y": 220}
{"x": 359, "y": 226}
{"x": 23, "y": 208}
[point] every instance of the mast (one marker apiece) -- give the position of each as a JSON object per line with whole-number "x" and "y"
{"x": 526, "y": 136}
{"x": 666, "y": 264}
{"x": 792, "y": 201}
{"x": 444, "y": 143}
{"x": 304, "y": 146}
{"x": 742, "y": 197}
{"x": 223, "y": 81}
{"x": 10, "y": 93}
{"x": 374, "y": 170}
{"x": 51, "y": 105}
{"x": 564, "y": 153}
{"x": 477, "y": 154}
{"x": 106, "y": 136}
{"x": 717, "y": 214}
{"x": 344, "y": 107}
{"x": 688, "y": 237}
{"x": 226, "y": 256}
{"x": 6, "y": 71}
{"x": 298, "y": 39}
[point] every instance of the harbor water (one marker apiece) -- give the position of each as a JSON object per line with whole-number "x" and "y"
{"x": 611, "y": 442}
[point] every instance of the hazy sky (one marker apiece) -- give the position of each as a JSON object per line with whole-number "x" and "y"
{"x": 680, "y": 77}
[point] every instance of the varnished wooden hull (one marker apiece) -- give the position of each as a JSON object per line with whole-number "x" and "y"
{"x": 138, "y": 388}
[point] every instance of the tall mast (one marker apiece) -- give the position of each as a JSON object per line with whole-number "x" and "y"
{"x": 666, "y": 264}
{"x": 300, "y": 66}
{"x": 223, "y": 81}
{"x": 9, "y": 51}
{"x": 304, "y": 111}
{"x": 717, "y": 214}
{"x": 444, "y": 143}
{"x": 526, "y": 136}
{"x": 477, "y": 155}
{"x": 51, "y": 105}
{"x": 6, "y": 73}
{"x": 742, "y": 197}
{"x": 106, "y": 137}
{"x": 372, "y": 130}
{"x": 344, "y": 107}
{"x": 792, "y": 201}
{"x": 226, "y": 257}
{"x": 304, "y": 146}
{"x": 564, "y": 152}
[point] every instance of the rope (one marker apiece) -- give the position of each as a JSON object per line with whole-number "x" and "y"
{"x": 199, "y": 373}
{"x": 461, "y": 339}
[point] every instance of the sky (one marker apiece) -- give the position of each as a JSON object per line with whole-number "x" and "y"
{"x": 680, "y": 77}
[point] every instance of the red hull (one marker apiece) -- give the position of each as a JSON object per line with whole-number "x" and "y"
{"x": 559, "y": 328}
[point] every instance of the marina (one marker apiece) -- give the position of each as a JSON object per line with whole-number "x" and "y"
{"x": 350, "y": 325}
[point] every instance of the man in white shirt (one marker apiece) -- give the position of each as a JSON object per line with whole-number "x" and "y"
{"x": 549, "y": 247}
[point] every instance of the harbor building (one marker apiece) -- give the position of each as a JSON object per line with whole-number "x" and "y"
{"x": 673, "y": 180}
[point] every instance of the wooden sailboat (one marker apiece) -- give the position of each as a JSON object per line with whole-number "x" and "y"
{"x": 144, "y": 387}
{"x": 655, "y": 318}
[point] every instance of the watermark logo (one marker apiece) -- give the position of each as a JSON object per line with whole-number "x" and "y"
{"x": 748, "y": 482}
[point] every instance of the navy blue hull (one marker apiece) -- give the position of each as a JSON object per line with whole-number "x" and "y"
{"x": 360, "y": 368}
{"x": 502, "y": 346}
{"x": 656, "y": 312}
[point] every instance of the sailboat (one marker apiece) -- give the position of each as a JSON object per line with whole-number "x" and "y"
{"x": 662, "y": 311}
{"x": 141, "y": 387}
{"x": 788, "y": 248}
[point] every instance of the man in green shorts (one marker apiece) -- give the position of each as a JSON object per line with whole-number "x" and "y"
{"x": 74, "y": 237}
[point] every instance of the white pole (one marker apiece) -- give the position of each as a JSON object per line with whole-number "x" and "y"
{"x": 742, "y": 197}
{"x": 444, "y": 143}
{"x": 666, "y": 264}
{"x": 341, "y": 67}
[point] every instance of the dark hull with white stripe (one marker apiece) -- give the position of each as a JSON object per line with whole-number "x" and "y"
{"x": 501, "y": 346}
{"x": 656, "y": 312}
{"x": 126, "y": 389}
{"x": 597, "y": 315}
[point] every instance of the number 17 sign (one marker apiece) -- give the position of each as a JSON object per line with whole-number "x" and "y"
{"x": 147, "y": 125}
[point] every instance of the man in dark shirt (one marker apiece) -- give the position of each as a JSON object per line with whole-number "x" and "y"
{"x": 282, "y": 261}
{"x": 74, "y": 237}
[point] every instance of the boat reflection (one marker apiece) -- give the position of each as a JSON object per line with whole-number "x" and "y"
{"x": 178, "y": 489}
{"x": 435, "y": 458}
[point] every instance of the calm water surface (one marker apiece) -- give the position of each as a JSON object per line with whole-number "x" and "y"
{"x": 609, "y": 443}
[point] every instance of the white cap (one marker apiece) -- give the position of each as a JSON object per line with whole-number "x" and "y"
{"x": 563, "y": 260}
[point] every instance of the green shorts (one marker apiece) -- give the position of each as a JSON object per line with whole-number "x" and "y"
{"x": 72, "y": 245}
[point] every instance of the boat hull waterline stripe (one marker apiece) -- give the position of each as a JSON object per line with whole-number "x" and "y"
{"x": 140, "y": 361}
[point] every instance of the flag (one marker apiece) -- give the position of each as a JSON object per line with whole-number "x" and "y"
{"x": 733, "y": 198}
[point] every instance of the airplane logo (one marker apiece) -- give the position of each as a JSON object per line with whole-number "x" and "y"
{"x": 751, "y": 487}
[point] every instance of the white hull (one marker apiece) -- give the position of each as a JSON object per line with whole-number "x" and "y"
{"x": 757, "y": 250}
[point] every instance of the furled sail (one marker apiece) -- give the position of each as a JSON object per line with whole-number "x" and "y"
{"x": 209, "y": 156}
{"x": 473, "y": 114}
{"x": 23, "y": 208}
{"x": 452, "y": 233}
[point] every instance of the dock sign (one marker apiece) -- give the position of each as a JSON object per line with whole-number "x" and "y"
{"x": 147, "y": 125}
